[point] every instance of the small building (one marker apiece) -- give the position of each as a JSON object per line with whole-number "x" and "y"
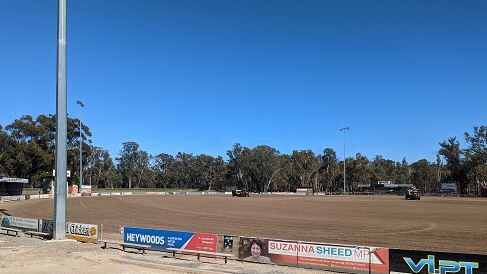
{"x": 12, "y": 186}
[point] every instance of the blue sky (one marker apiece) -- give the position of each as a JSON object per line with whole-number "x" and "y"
{"x": 198, "y": 76}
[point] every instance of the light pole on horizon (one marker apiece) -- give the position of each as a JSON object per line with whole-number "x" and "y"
{"x": 344, "y": 130}
{"x": 80, "y": 147}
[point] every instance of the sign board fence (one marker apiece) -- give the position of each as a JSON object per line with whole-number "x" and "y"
{"x": 428, "y": 262}
{"x": 20, "y": 223}
{"x": 80, "y": 232}
{"x": 340, "y": 258}
{"x": 162, "y": 239}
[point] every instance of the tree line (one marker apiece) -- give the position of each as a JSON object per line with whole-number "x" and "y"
{"x": 27, "y": 151}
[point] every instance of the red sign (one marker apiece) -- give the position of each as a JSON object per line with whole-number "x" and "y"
{"x": 202, "y": 242}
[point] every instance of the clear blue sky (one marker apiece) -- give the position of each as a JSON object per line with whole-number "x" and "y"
{"x": 198, "y": 76}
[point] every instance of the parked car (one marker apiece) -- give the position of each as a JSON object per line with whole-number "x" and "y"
{"x": 412, "y": 194}
{"x": 240, "y": 193}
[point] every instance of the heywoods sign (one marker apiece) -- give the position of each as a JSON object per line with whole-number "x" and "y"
{"x": 162, "y": 239}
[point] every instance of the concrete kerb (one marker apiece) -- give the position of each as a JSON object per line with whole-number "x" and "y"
{"x": 160, "y": 265}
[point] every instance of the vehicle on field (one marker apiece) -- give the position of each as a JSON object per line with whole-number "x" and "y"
{"x": 483, "y": 191}
{"x": 412, "y": 194}
{"x": 240, "y": 193}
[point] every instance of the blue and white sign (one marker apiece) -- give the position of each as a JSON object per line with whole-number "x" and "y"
{"x": 157, "y": 239}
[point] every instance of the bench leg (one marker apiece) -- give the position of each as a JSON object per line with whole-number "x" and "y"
{"x": 225, "y": 260}
{"x": 123, "y": 248}
{"x": 198, "y": 256}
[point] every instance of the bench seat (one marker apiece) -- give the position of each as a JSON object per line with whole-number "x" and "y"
{"x": 124, "y": 245}
{"x": 198, "y": 253}
{"x": 9, "y": 229}
{"x": 36, "y": 233}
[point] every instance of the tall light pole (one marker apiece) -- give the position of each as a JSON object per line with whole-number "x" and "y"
{"x": 344, "y": 130}
{"x": 80, "y": 147}
{"x": 61, "y": 128}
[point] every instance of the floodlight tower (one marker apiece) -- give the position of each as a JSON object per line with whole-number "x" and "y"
{"x": 344, "y": 130}
{"x": 61, "y": 128}
{"x": 80, "y": 147}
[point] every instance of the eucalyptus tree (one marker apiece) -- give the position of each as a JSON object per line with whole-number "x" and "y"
{"x": 127, "y": 161}
{"x": 330, "y": 171}
{"x": 358, "y": 171}
{"x": 403, "y": 172}
{"x": 34, "y": 151}
{"x": 455, "y": 162}
{"x": 100, "y": 167}
{"x": 142, "y": 168}
{"x": 305, "y": 166}
{"x": 7, "y": 153}
{"x": 382, "y": 169}
{"x": 476, "y": 155}
{"x": 280, "y": 178}
{"x": 164, "y": 166}
{"x": 264, "y": 165}
{"x": 209, "y": 172}
{"x": 185, "y": 172}
{"x": 424, "y": 176}
{"x": 235, "y": 171}
{"x": 240, "y": 168}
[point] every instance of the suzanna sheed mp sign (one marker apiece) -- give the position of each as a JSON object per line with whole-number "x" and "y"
{"x": 332, "y": 257}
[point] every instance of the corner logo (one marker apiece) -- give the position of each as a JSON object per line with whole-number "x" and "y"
{"x": 92, "y": 231}
{"x": 444, "y": 267}
{"x": 5, "y": 222}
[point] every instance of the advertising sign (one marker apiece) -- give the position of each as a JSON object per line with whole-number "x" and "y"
{"x": 20, "y": 223}
{"x": 427, "y": 262}
{"x": 227, "y": 242}
{"x": 341, "y": 258}
{"x": 162, "y": 239}
{"x": 256, "y": 250}
{"x": 351, "y": 259}
{"x": 448, "y": 187}
{"x": 17, "y": 198}
{"x": 76, "y": 231}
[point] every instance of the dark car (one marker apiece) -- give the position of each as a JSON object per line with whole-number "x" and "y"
{"x": 240, "y": 193}
{"x": 412, "y": 194}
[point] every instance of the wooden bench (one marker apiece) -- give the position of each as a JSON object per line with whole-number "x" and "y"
{"x": 198, "y": 253}
{"x": 9, "y": 229}
{"x": 40, "y": 234}
{"x": 124, "y": 245}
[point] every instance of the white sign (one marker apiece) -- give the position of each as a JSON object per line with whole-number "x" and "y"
{"x": 68, "y": 173}
{"x": 76, "y": 231}
{"x": 448, "y": 187}
{"x": 17, "y": 222}
{"x": 14, "y": 180}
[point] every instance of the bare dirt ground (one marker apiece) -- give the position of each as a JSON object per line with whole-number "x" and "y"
{"x": 434, "y": 223}
{"x": 31, "y": 255}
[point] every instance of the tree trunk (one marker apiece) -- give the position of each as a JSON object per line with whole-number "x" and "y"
{"x": 130, "y": 182}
